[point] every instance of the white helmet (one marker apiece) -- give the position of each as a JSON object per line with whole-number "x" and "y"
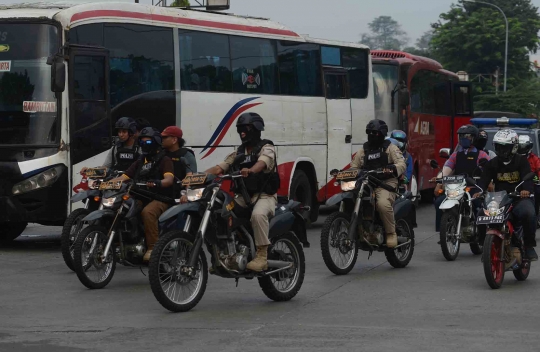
{"x": 506, "y": 144}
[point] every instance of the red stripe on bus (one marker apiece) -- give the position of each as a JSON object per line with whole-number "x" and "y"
{"x": 181, "y": 20}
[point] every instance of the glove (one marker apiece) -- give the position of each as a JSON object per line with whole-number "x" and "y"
{"x": 334, "y": 172}
{"x": 157, "y": 183}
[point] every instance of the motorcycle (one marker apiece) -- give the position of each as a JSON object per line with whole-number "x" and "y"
{"x": 458, "y": 220}
{"x": 345, "y": 231}
{"x": 74, "y": 224}
{"x": 116, "y": 233}
{"x": 178, "y": 268}
{"x": 503, "y": 245}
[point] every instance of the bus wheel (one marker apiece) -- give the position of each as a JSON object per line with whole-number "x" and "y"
{"x": 302, "y": 192}
{"x": 11, "y": 230}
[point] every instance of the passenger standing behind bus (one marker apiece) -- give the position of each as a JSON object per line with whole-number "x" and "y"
{"x": 173, "y": 144}
{"x": 125, "y": 151}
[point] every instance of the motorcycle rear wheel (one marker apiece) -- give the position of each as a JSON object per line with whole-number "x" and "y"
{"x": 167, "y": 282}
{"x": 400, "y": 257}
{"x": 284, "y": 285}
{"x": 449, "y": 224}
{"x": 492, "y": 261}
{"x": 476, "y": 248}
{"x": 71, "y": 229}
{"x": 338, "y": 254}
{"x": 93, "y": 271}
{"x": 522, "y": 273}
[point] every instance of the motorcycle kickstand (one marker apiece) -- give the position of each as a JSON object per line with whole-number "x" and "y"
{"x": 370, "y": 247}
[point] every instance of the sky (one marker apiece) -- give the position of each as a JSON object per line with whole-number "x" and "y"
{"x": 342, "y": 20}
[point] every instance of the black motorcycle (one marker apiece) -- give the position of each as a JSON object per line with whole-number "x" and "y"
{"x": 116, "y": 233}
{"x": 178, "y": 268}
{"x": 347, "y": 230}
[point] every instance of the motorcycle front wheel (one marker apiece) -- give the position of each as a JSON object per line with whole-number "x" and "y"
{"x": 448, "y": 235}
{"x": 285, "y": 284}
{"x": 338, "y": 250}
{"x": 92, "y": 269}
{"x": 174, "y": 289}
{"x": 492, "y": 261}
{"x": 70, "y": 231}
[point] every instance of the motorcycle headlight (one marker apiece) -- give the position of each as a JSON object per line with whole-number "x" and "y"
{"x": 453, "y": 193}
{"x": 41, "y": 180}
{"x": 108, "y": 202}
{"x": 194, "y": 194}
{"x": 348, "y": 186}
{"x": 493, "y": 209}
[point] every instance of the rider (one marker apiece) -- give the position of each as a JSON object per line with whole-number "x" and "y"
{"x": 124, "y": 151}
{"x": 507, "y": 170}
{"x": 157, "y": 170}
{"x": 401, "y": 136}
{"x": 481, "y": 142}
{"x": 464, "y": 160}
{"x": 525, "y": 149}
{"x": 379, "y": 153}
{"x": 173, "y": 144}
{"x": 258, "y": 167}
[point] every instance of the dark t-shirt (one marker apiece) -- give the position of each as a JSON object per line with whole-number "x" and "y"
{"x": 507, "y": 177}
{"x": 165, "y": 167}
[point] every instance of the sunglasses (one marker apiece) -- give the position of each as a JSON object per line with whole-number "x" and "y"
{"x": 150, "y": 142}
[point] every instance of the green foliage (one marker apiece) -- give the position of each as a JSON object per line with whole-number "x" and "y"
{"x": 180, "y": 3}
{"x": 471, "y": 37}
{"x": 386, "y": 33}
{"x": 524, "y": 99}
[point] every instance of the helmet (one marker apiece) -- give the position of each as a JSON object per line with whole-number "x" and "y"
{"x": 481, "y": 141}
{"x": 400, "y": 136}
{"x": 126, "y": 123}
{"x": 395, "y": 142}
{"x": 377, "y": 125}
{"x": 250, "y": 119}
{"x": 506, "y": 144}
{"x": 467, "y": 135}
{"x": 150, "y": 132}
{"x": 525, "y": 144}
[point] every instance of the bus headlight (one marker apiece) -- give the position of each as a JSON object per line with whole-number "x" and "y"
{"x": 348, "y": 186}
{"x": 41, "y": 180}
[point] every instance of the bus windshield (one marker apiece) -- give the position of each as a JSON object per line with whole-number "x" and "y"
{"x": 28, "y": 107}
{"x": 385, "y": 78}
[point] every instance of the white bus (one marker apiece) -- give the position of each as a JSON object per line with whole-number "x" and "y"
{"x": 68, "y": 73}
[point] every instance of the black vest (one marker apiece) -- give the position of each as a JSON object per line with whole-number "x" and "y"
{"x": 376, "y": 158}
{"x": 180, "y": 170}
{"x": 256, "y": 183}
{"x": 466, "y": 163}
{"x": 124, "y": 157}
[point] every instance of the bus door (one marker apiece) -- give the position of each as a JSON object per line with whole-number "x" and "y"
{"x": 89, "y": 107}
{"x": 339, "y": 122}
{"x": 462, "y": 107}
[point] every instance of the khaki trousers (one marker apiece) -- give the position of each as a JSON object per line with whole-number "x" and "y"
{"x": 385, "y": 202}
{"x": 263, "y": 210}
{"x": 150, "y": 216}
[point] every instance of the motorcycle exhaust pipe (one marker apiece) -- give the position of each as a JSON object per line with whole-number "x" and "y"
{"x": 278, "y": 264}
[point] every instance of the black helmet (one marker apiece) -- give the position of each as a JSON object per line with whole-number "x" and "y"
{"x": 151, "y": 132}
{"x": 126, "y": 123}
{"x": 469, "y": 129}
{"x": 251, "y": 118}
{"x": 377, "y": 125}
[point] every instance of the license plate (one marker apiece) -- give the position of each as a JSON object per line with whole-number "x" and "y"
{"x": 484, "y": 220}
{"x": 347, "y": 174}
{"x": 194, "y": 180}
{"x": 109, "y": 185}
{"x": 97, "y": 172}
{"x": 453, "y": 179}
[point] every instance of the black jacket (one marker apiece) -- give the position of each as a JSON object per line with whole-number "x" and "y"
{"x": 506, "y": 177}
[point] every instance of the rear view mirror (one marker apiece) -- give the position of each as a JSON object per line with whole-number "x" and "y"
{"x": 444, "y": 153}
{"x": 58, "y": 74}
{"x": 470, "y": 181}
{"x": 529, "y": 176}
{"x": 434, "y": 164}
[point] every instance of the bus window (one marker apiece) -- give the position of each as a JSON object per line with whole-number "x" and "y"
{"x": 385, "y": 78}
{"x": 462, "y": 99}
{"x": 330, "y": 56}
{"x": 254, "y": 65}
{"x": 336, "y": 86}
{"x": 355, "y": 61}
{"x": 205, "y": 62}
{"x": 299, "y": 69}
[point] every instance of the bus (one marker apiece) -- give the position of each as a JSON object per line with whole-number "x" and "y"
{"x": 68, "y": 73}
{"x": 415, "y": 94}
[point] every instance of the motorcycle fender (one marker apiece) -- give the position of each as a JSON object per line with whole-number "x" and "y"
{"x": 98, "y": 214}
{"x": 402, "y": 208}
{"x": 79, "y": 196}
{"x": 280, "y": 224}
{"x": 177, "y": 209}
{"x": 493, "y": 232}
{"x": 338, "y": 198}
{"x": 448, "y": 204}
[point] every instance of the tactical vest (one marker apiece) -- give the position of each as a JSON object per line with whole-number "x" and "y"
{"x": 124, "y": 157}
{"x": 466, "y": 163}
{"x": 256, "y": 183}
{"x": 180, "y": 170}
{"x": 376, "y": 158}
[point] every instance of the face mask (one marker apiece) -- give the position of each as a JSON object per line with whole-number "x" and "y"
{"x": 250, "y": 134}
{"x": 375, "y": 139}
{"x": 465, "y": 142}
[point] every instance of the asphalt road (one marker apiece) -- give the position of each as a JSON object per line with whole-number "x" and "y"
{"x": 432, "y": 305}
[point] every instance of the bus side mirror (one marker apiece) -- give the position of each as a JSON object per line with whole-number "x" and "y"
{"x": 58, "y": 74}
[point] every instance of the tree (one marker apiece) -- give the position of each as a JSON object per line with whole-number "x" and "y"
{"x": 524, "y": 99}
{"x": 471, "y": 37}
{"x": 180, "y": 3}
{"x": 386, "y": 33}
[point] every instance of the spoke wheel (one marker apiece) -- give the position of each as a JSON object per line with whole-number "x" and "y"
{"x": 175, "y": 289}
{"x": 448, "y": 235}
{"x": 92, "y": 269}
{"x": 284, "y": 285}
{"x": 400, "y": 257}
{"x": 338, "y": 251}
{"x": 492, "y": 261}
{"x": 70, "y": 231}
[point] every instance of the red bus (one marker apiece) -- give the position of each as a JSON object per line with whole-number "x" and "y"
{"x": 415, "y": 94}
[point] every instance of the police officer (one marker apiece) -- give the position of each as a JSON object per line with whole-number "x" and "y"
{"x": 174, "y": 147}
{"x": 258, "y": 166}
{"x": 124, "y": 151}
{"x": 157, "y": 170}
{"x": 379, "y": 153}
